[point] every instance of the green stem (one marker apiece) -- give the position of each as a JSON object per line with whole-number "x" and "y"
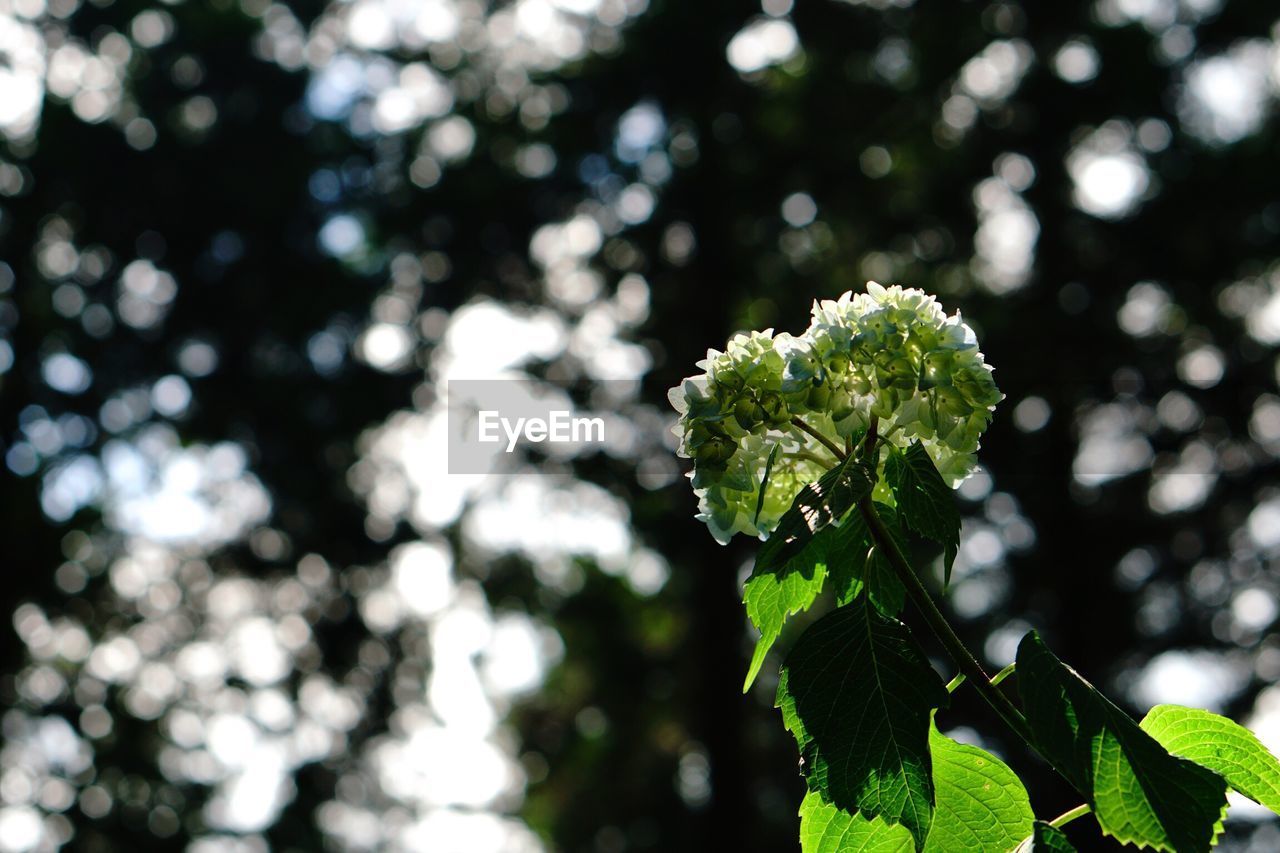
{"x": 826, "y": 442}
{"x": 1066, "y": 817}
{"x": 1000, "y": 676}
{"x": 869, "y": 441}
{"x": 807, "y": 456}
{"x": 1003, "y": 674}
{"x": 959, "y": 653}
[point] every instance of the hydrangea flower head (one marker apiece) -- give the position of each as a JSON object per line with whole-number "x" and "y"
{"x": 891, "y": 353}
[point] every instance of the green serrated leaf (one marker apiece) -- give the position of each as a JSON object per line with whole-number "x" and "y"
{"x": 1224, "y": 746}
{"x": 773, "y": 596}
{"x": 792, "y": 564}
{"x": 816, "y": 507}
{"x": 764, "y": 481}
{"x": 827, "y": 829}
{"x": 926, "y": 503}
{"x": 848, "y": 556}
{"x": 856, "y": 692}
{"x": 1139, "y": 793}
{"x": 857, "y": 564}
{"x": 979, "y": 803}
{"x": 1046, "y": 839}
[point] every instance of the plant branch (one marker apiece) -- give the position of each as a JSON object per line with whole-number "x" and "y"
{"x": 826, "y": 442}
{"x": 941, "y": 628}
{"x": 958, "y": 651}
{"x": 1066, "y": 817}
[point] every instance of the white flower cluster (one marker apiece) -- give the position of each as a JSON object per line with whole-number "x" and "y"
{"x": 891, "y": 353}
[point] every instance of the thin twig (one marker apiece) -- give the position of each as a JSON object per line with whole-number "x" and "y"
{"x": 826, "y": 442}
{"x": 1066, "y": 817}
{"x": 1003, "y": 674}
{"x": 807, "y": 456}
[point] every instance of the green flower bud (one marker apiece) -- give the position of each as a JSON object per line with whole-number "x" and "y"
{"x": 715, "y": 450}
{"x": 774, "y": 410}
{"x": 818, "y": 398}
{"x": 748, "y": 413}
{"x": 952, "y": 402}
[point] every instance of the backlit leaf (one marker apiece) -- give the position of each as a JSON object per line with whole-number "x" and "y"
{"x": 792, "y": 564}
{"x": 827, "y": 829}
{"x": 1139, "y": 793}
{"x": 1225, "y": 747}
{"x": 857, "y": 693}
{"x": 979, "y": 803}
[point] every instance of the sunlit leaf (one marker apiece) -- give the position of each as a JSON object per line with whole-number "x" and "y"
{"x": 980, "y": 804}
{"x": 1225, "y": 747}
{"x": 1140, "y": 794}
{"x": 792, "y": 565}
{"x": 772, "y": 596}
{"x": 827, "y": 829}
{"x": 857, "y": 694}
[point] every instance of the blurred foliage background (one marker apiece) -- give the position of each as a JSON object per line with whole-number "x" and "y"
{"x": 245, "y": 244}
